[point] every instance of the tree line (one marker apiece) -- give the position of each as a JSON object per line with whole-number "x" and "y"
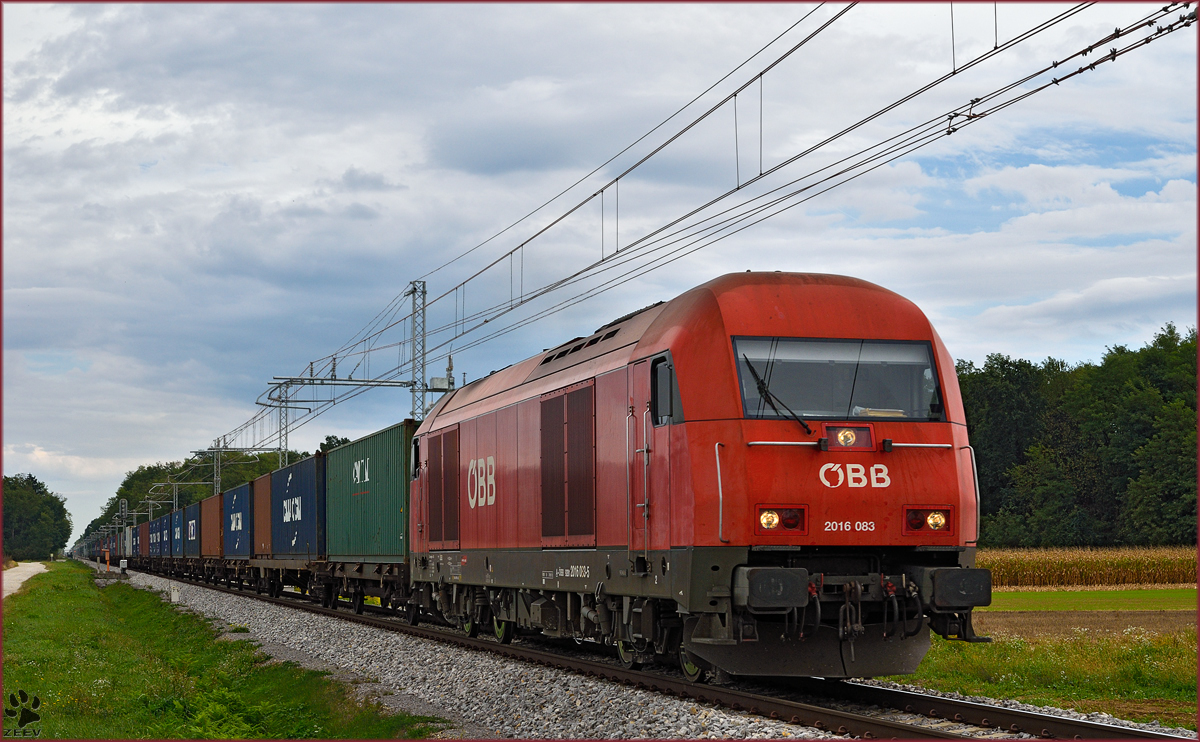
{"x": 1095, "y": 454}
{"x": 194, "y": 479}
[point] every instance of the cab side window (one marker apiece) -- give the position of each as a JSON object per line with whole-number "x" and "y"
{"x": 664, "y": 393}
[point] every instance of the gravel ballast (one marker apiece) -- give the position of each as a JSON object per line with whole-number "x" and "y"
{"x": 486, "y": 695}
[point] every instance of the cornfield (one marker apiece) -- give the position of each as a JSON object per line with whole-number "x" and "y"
{"x": 1113, "y": 566}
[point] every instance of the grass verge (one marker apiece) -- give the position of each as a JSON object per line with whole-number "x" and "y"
{"x": 120, "y": 663}
{"x": 1136, "y": 675}
{"x": 1183, "y": 599}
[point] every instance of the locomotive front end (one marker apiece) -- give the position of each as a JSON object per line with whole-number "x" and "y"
{"x": 846, "y": 486}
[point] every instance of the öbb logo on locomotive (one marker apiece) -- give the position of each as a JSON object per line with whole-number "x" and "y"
{"x": 855, "y": 475}
{"x": 768, "y": 475}
{"x": 481, "y": 482}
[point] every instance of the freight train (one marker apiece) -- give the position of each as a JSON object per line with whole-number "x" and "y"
{"x": 768, "y": 475}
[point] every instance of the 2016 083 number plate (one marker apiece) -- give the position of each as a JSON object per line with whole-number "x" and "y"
{"x": 847, "y": 525}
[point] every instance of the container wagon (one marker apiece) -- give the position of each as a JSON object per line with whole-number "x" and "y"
{"x": 366, "y": 512}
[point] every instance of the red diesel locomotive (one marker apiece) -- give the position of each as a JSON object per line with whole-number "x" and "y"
{"x": 768, "y": 475}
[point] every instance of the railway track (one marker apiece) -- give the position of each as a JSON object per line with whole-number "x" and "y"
{"x": 1046, "y": 726}
{"x": 952, "y": 717}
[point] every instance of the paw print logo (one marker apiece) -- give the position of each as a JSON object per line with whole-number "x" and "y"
{"x": 21, "y": 708}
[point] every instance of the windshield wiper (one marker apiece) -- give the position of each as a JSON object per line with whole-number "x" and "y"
{"x": 765, "y": 393}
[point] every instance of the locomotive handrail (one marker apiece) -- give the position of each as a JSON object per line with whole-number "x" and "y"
{"x": 720, "y": 498}
{"x": 628, "y": 492}
{"x": 975, "y": 474}
{"x": 645, "y": 505}
{"x": 817, "y": 443}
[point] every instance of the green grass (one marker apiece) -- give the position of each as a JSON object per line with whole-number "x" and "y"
{"x": 1183, "y": 599}
{"x": 120, "y": 663}
{"x": 1135, "y": 675}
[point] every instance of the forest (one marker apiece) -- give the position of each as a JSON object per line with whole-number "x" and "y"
{"x": 193, "y": 480}
{"x": 36, "y": 521}
{"x": 1092, "y": 454}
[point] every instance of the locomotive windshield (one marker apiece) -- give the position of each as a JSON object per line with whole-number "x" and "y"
{"x": 839, "y": 379}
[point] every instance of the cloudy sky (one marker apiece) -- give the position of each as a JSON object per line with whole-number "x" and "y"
{"x": 199, "y": 197}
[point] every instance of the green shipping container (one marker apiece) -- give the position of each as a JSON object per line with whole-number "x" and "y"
{"x": 366, "y": 497}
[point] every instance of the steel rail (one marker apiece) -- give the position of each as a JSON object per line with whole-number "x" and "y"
{"x": 1046, "y": 726}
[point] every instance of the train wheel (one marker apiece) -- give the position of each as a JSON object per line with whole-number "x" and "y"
{"x": 627, "y": 656}
{"x": 504, "y": 630}
{"x": 412, "y": 615}
{"x": 358, "y": 602}
{"x": 328, "y": 597}
{"x": 470, "y": 627}
{"x": 687, "y": 665}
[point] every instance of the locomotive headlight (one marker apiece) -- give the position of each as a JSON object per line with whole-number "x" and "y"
{"x": 936, "y": 520}
{"x": 858, "y": 436}
{"x": 768, "y": 519}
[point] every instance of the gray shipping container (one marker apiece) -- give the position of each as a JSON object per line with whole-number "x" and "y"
{"x": 298, "y": 510}
{"x": 366, "y": 513}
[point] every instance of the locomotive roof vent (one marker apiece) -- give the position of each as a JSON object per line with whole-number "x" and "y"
{"x": 578, "y": 346}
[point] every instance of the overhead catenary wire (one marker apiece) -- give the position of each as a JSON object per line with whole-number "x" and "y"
{"x": 1061, "y": 17}
{"x": 718, "y": 230}
{"x": 901, "y": 145}
{"x": 790, "y": 160}
{"x": 616, "y": 181}
{"x": 362, "y": 335}
{"x": 633, "y": 144}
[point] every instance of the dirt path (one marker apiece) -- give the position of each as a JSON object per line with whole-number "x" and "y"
{"x": 1065, "y": 623}
{"x": 12, "y": 578}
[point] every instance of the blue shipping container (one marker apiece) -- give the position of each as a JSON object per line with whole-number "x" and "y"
{"x": 191, "y": 530}
{"x": 239, "y": 520}
{"x": 177, "y": 533}
{"x": 298, "y": 510}
{"x": 164, "y": 535}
